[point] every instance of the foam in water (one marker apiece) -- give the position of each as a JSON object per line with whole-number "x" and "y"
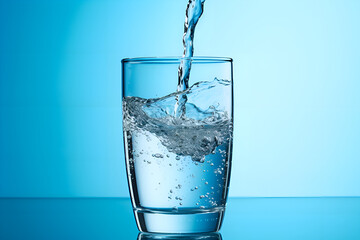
{"x": 196, "y": 134}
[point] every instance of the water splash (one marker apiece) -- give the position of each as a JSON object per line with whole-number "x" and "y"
{"x": 197, "y": 133}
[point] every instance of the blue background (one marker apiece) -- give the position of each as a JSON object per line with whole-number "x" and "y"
{"x": 297, "y": 82}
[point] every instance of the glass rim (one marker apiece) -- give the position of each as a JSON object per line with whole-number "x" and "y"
{"x": 162, "y": 60}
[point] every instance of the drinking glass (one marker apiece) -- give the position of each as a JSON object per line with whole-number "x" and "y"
{"x": 178, "y": 165}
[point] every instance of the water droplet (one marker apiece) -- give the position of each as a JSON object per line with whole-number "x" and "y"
{"x": 206, "y": 183}
{"x": 202, "y": 196}
{"x": 202, "y": 207}
{"x": 196, "y": 187}
{"x": 170, "y": 164}
{"x": 177, "y": 158}
{"x": 211, "y": 164}
{"x": 149, "y": 162}
{"x": 171, "y": 191}
{"x": 180, "y": 203}
{"x": 212, "y": 187}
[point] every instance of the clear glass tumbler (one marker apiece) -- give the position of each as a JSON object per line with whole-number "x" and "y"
{"x": 178, "y": 165}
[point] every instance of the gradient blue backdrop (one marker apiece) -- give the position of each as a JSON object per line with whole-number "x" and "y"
{"x": 297, "y": 83}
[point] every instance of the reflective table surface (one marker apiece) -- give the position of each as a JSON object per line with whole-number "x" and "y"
{"x": 245, "y": 218}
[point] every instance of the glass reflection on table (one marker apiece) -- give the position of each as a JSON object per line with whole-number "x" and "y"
{"x": 330, "y": 218}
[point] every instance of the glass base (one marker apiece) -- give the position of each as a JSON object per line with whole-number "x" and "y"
{"x": 201, "y": 221}
{"x": 173, "y": 236}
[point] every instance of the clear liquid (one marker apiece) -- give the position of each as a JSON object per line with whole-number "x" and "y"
{"x": 194, "y": 11}
{"x": 179, "y": 164}
{"x": 162, "y": 180}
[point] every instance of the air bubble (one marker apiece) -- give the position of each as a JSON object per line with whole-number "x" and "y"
{"x": 158, "y": 155}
